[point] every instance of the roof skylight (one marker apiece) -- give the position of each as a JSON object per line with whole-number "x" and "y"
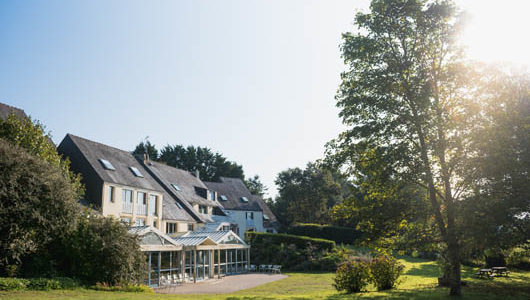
{"x": 106, "y": 164}
{"x": 136, "y": 172}
{"x": 176, "y": 187}
{"x": 244, "y": 199}
{"x": 223, "y": 197}
{"x": 265, "y": 217}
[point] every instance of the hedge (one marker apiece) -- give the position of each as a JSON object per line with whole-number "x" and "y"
{"x": 292, "y": 252}
{"x": 37, "y": 284}
{"x": 341, "y": 235}
{"x": 290, "y": 239}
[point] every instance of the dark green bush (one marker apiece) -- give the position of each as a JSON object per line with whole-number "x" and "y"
{"x": 344, "y": 235}
{"x": 385, "y": 272}
{"x": 352, "y": 276}
{"x": 43, "y": 284}
{"x": 290, "y": 251}
{"x": 13, "y": 284}
{"x": 135, "y": 288}
{"x": 102, "y": 250}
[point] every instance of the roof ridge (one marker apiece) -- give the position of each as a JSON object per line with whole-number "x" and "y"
{"x": 98, "y": 143}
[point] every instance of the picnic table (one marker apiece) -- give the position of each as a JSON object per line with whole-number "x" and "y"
{"x": 500, "y": 271}
{"x": 484, "y": 273}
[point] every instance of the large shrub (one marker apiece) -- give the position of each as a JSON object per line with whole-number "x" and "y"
{"x": 102, "y": 250}
{"x": 352, "y": 276}
{"x": 385, "y": 272}
{"x": 344, "y": 235}
{"x": 13, "y": 284}
{"x": 290, "y": 251}
{"x": 38, "y": 206}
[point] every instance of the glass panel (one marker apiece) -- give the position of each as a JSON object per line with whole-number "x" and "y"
{"x": 153, "y": 205}
{"x": 141, "y": 208}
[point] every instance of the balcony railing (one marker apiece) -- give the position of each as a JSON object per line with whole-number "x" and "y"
{"x": 141, "y": 210}
{"x": 127, "y": 208}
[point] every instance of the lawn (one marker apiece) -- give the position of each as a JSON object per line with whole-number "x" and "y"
{"x": 418, "y": 282}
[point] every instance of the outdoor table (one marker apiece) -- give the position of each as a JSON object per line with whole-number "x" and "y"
{"x": 500, "y": 271}
{"x": 484, "y": 272}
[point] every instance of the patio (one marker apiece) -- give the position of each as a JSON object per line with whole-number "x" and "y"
{"x": 228, "y": 284}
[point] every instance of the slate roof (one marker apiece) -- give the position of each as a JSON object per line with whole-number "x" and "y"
{"x": 233, "y": 189}
{"x": 216, "y": 236}
{"x": 89, "y": 165}
{"x": 272, "y": 222}
{"x": 187, "y": 183}
{"x": 6, "y": 110}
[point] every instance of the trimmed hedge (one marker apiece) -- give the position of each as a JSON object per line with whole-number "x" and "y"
{"x": 292, "y": 252}
{"x": 37, "y": 284}
{"x": 340, "y": 235}
{"x": 282, "y": 238}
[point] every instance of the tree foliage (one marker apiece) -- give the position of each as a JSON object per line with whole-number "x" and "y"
{"x": 255, "y": 186}
{"x": 305, "y": 195}
{"x": 102, "y": 250}
{"x": 146, "y": 148}
{"x": 38, "y": 204}
{"x": 402, "y": 99}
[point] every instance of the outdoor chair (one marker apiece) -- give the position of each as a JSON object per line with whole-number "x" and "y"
{"x": 163, "y": 281}
{"x": 269, "y": 268}
{"x": 175, "y": 279}
{"x": 262, "y": 268}
{"x": 252, "y": 268}
{"x": 277, "y": 269}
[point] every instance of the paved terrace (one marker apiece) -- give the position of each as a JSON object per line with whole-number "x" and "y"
{"x": 228, "y": 284}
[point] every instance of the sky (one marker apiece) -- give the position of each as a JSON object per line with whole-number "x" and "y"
{"x": 253, "y": 80}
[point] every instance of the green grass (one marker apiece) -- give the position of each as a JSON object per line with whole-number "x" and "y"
{"x": 418, "y": 282}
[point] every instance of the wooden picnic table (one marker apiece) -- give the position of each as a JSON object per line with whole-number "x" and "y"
{"x": 484, "y": 273}
{"x": 500, "y": 271}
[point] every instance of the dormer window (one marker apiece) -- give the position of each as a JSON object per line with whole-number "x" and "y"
{"x": 203, "y": 209}
{"x": 176, "y": 187}
{"x": 223, "y": 197}
{"x": 106, "y": 164}
{"x": 136, "y": 172}
{"x": 244, "y": 199}
{"x": 212, "y": 195}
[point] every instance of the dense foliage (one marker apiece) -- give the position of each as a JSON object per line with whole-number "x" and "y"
{"x": 102, "y": 250}
{"x": 344, "y": 235}
{"x": 255, "y": 186}
{"x": 38, "y": 207}
{"x": 385, "y": 271}
{"x": 37, "y": 284}
{"x": 293, "y": 252}
{"x": 305, "y": 195}
{"x": 145, "y": 147}
{"x": 352, "y": 276}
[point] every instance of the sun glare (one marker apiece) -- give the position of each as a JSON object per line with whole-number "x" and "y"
{"x": 497, "y": 31}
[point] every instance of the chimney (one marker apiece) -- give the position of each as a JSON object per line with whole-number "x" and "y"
{"x": 197, "y": 174}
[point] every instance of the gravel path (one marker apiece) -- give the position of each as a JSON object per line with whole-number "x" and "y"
{"x": 228, "y": 284}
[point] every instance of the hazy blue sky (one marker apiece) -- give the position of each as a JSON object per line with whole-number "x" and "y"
{"x": 254, "y": 80}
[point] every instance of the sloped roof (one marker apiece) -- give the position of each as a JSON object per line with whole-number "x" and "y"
{"x": 6, "y": 110}
{"x": 122, "y": 161}
{"x": 218, "y": 236}
{"x": 272, "y": 222}
{"x": 233, "y": 189}
{"x": 187, "y": 183}
{"x": 193, "y": 240}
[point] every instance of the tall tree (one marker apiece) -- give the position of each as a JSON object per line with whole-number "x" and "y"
{"x": 145, "y": 147}
{"x": 305, "y": 195}
{"x": 255, "y": 186}
{"x": 403, "y": 97}
{"x": 211, "y": 165}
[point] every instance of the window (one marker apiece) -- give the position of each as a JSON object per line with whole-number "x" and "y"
{"x": 126, "y": 199}
{"x": 203, "y": 209}
{"x": 190, "y": 226}
{"x": 212, "y": 195}
{"x": 141, "y": 208}
{"x": 176, "y": 187}
{"x": 139, "y": 222}
{"x": 125, "y": 220}
{"x": 153, "y": 205}
{"x": 106, "y": 164}
{"x": 244, "y": 199}
{"x": 111, "y": 193}
{"x": 226, "y": 228}
{"x": 223, "y": 197}
{"x": 250, "y": 215}
{"x": 136, "y": 172}
{"x": 154, "y": 224}
{"x": 171, "y": 228}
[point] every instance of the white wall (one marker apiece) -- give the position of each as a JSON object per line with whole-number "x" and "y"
{"x": 239, "y": 216}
